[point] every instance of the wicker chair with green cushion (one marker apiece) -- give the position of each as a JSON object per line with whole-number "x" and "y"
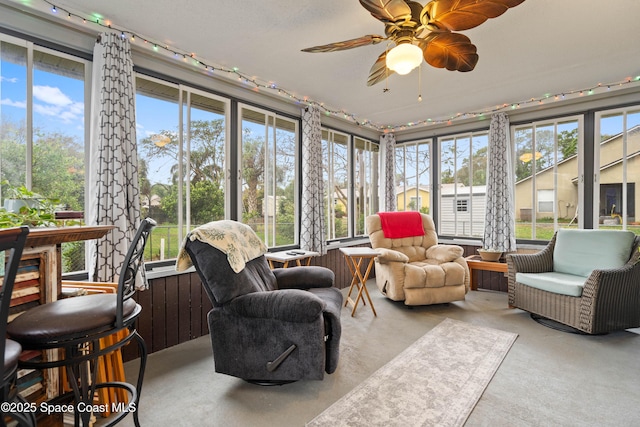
{"x": 586, "y": 279}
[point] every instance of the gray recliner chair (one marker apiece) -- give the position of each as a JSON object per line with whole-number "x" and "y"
{"x": 269, "y": 326}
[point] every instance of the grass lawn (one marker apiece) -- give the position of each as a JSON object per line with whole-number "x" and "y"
{"x": 169, "y": 232}
{"x": 544, "y": 231}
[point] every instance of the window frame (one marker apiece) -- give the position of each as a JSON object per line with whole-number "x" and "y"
{"x": 625, "y": 184}
{"x": 417, "y": 174}
{"x": 273, "y": 116}
{"x": 183, "y": 105}
{"x": 31, "y": 67}
{"x": 460, "y": 191}
{"x": 331, "y": 201}
{"x": 554, "y": 122}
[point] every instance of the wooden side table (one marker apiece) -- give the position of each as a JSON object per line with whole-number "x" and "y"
{"x": 301, "y": 258}
{"x": 354, "y": 258}
{"x": 476, "y": 263}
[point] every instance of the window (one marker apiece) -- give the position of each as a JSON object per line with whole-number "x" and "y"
{"x": 415, "y": 204}
{"x": 335, "y": 155}
{"x": 366, "y": 181}
{"x": 545, "y": 200}
{"x": 268, "y": 168}
{"x": 350, "y": 167}
{"x": 43, "y": 128}
{"x": 182, "y": 152}
{"x": 617, "y": 169}
{"x": 413, "y": 176}
{"x": 547, "y": 185}
{"x": 462, "y": 205}
{"x": 463, "y": 182}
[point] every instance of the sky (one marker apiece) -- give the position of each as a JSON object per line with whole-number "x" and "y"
{"x": 58, "y": 106}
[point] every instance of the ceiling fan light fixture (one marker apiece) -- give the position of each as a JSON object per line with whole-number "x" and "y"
{"x": 403, "y": 58}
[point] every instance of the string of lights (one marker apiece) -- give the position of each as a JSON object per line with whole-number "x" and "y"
{"x": 256, "y": 85}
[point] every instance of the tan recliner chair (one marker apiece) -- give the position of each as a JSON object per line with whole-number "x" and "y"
{"x": 417, "y": 270}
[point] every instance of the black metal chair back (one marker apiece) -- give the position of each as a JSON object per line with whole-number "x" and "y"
{"x": 131, "y": 266}
{"x": 12, "y": 242}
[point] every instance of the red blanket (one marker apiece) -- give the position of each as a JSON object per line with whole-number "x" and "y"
{"x": 401, "y": 224}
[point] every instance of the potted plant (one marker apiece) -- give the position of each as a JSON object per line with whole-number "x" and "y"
{"x": 25, "y": 207}
{"x": 489, "y": 254}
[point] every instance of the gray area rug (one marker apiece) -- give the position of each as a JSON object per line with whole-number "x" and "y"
{"x": 436, "y": 381}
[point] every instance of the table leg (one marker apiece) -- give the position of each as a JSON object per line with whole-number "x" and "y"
{"x": 350, "y": 263}
{"x": 363, "y": 287}
{"x": 359, "y": 281}
{"x": 301, "y": 262}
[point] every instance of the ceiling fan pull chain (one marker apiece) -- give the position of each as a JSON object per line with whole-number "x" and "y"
{"x": 386, "y": 72}
{"x": 420, "y": 83}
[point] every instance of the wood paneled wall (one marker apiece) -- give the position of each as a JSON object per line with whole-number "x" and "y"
{"x": 487, "y": 280}
{"x": 174, "y": 308}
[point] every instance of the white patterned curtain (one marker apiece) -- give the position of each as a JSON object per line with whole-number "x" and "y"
{"x": 312, "y": 231}
{"x": 388, "y": 172}
{"x": 500, "y": 224}
{"x": 113, "y": 175}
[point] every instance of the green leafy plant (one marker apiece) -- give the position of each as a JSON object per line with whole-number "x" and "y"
{"x": 36, "y": 211}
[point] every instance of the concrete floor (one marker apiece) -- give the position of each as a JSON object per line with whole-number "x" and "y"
{"x": 549, "y": 378}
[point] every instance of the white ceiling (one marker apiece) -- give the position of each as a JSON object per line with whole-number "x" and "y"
{"x": 539, "y": 47}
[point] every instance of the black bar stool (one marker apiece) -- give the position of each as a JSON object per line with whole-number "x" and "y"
{"x": 75, "y": 327}
{"x": 12, "y": 242}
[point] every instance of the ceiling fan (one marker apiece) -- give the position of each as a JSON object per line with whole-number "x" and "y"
{"x": 423, "y": 32}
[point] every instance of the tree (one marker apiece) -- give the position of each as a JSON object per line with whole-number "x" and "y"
{"x": 145, "y": 186}
{"x": 479, "y": 163}
{"x": 57, "y": 165}
{"x": 454, "y": 154}
{"x": 13, "y": 149}
{"x": 252, "y": 177}
{"x": 206, "y": 170}
{"x": 568, "y": 143}
{"x": 58, "y": 169}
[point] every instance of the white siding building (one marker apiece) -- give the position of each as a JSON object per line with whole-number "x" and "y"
{"x": 462, "y": 210}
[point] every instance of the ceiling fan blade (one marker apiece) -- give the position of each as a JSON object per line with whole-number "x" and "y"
{"x": 387, "y": 10}
{"x": 379, "y": 70}
{"x": 416, "y": 10}
{"x": 459, "y": 15}
{"x": 452, "y": 51}
{"x": 347, "y": 44}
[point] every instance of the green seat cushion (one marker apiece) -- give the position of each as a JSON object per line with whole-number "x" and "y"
{"x": 558, "y": 283}
{"x": 580, "y": 252}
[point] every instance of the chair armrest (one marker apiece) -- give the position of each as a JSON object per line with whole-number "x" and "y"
{"x": 614, "y": 284}
{"x": 539, "y": 262}
{"x": 610, "y": 299}
{"x": 389, "y": 255}
{"x": 444, "y": 253}
{"x": 304, "y": 277}
{"x": 288, "y": 305}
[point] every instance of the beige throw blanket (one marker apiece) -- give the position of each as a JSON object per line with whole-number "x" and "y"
{"x": 237, "y": 240}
